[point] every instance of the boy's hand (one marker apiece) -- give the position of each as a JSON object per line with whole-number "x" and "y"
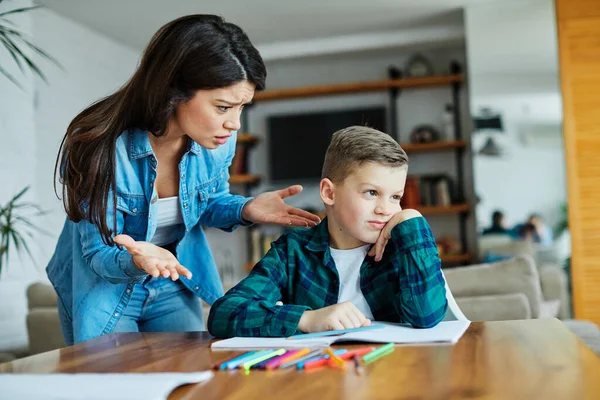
{"x": 153, "y": 259}
{"x": 338, "y": 316}
{"x": 386, "y": 232}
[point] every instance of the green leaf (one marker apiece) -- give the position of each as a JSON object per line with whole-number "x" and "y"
{"x": 10, "y": 78}
{"x": 9, "y": 37}
{"x": 17, "y": 226}
{"x": 18, "y": 10}
{"x": 10, "y": 47}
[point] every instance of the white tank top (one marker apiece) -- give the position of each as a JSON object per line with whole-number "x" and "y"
{"x": 168, "y": 219}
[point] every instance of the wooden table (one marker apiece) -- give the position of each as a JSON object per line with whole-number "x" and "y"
{"x": 531, "y": 359}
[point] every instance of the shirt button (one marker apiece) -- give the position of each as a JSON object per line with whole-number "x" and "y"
{"x": 184, "y": 205}
{"x": 116, "y": 314}
{"x": 182, "y": 176}
{"x": 128, "y": 290}
{"x": 151, "y": 184}
{"x": 214, "y": 190}
{"x": 134, "y": 209}
{"x": 196, "y": 288}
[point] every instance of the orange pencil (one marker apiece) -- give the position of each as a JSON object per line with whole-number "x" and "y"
{"x": 323, "y": 362}
{"x": 316, "y": 364}
{"x": 293, "y": 357}
{"x": 359, "y": 352}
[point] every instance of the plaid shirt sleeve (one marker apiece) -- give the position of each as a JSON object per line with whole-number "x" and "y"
{"x": 249, "y": 309}
{"x": 422, "y": 298}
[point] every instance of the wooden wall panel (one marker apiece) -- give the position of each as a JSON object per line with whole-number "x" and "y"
{"x": 578, "y": 23}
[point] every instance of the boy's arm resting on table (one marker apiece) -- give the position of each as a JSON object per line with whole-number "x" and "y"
{"x": 249, "y": 309}
{"x": 422, "y": 298}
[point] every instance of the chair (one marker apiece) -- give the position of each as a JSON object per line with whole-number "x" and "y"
{"x": 455, "y": 313}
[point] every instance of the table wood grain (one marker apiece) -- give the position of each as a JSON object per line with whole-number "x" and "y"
{"x": 529, "y": 359}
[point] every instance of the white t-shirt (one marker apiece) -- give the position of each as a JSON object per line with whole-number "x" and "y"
{"x": 348, "y": 264}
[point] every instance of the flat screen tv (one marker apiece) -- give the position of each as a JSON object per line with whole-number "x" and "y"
{"x": 297, "y": 143}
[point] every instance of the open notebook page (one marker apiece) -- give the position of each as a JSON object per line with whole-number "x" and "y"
{"x": 444, "y": 332}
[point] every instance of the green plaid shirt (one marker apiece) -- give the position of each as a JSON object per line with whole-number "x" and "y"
{"x": 405, "y": 286}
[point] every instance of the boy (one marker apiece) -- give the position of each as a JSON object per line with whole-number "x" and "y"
{"x": 329, "y": 277}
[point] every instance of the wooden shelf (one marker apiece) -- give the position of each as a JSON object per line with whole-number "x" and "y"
{"x": 437, "y": 210}
{"x": 455, "y": 258}
{"x": 244, "y": 179}
{"x": 357, "y": 87}
{"x": 435, "y": 146}
{"x": 247, "y": 138}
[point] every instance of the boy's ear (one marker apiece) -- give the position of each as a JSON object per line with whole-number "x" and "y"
{"x": 327, "y": 191}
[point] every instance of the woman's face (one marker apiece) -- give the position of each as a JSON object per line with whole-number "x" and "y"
{"x": 210, "y": 117}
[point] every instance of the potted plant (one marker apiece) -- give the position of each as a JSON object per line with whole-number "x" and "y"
{"x": 19, "y": 46}
{"x": 17, "y": 226}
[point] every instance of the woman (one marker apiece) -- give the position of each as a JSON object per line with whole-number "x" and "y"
{"x": 147, "y": 168}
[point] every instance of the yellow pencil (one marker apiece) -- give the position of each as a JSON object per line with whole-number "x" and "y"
{"x": 335, "y": 360}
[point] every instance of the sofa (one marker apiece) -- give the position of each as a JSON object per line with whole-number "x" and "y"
{"x": 43, "y": 324}
{"x": 508, "y": 290}
{"x": 517, "y": 289}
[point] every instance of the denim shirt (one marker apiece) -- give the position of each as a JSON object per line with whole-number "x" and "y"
{"x": 94, "y": 282}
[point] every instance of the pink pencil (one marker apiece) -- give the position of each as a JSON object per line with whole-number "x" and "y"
{"x": 275, "y": 362}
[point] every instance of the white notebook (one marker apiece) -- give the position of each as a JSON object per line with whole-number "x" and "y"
{"x": 444, "y": 332}
{"x": 96, "y": 386}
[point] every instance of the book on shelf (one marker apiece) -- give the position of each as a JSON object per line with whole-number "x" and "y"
{"x": 429, "y": 191}
{"x": 261, "y": 243}
{"x": 239, "y": 163}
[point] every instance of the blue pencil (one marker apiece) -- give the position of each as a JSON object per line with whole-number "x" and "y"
{"x": 223, "y": 365}
{"x": 253, "y": 354}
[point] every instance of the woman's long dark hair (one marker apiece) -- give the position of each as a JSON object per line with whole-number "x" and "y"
{"x": 186, "y": 55}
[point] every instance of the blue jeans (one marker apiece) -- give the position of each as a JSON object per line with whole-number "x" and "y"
{"x": 161, "y": 305}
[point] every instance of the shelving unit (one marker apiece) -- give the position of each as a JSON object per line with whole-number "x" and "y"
{"x": 393, "y": 86}
{"x": 439, "y": 210}
{"x": 356, "y": 87}
{"x": 435, "y": 146}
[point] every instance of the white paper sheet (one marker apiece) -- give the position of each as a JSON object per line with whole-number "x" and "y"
{"x": 444, "y": 332}
{"x": 126, "y": 386}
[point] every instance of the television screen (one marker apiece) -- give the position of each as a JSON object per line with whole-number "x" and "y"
{"x": 297, "y": 143}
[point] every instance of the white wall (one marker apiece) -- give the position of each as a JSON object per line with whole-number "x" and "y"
{"x": 33, "y": 122}
{"x": 513, "y": 68}
{"x": 94, "y": 66}
{"x": 17, "y": 169}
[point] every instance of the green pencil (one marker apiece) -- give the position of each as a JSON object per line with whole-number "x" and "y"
{"x": 262, "y": 358}
{"x": 378, "y": 353}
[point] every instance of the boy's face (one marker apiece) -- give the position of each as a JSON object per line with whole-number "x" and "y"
{"x": 363, "y": 203}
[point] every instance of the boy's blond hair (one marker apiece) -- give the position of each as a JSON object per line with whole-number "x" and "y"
{"x": 350, "y": 147}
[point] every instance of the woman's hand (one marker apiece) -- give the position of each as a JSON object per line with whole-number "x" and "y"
{"x": 269, "y": 208}
{"x": 155, "y": 260}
